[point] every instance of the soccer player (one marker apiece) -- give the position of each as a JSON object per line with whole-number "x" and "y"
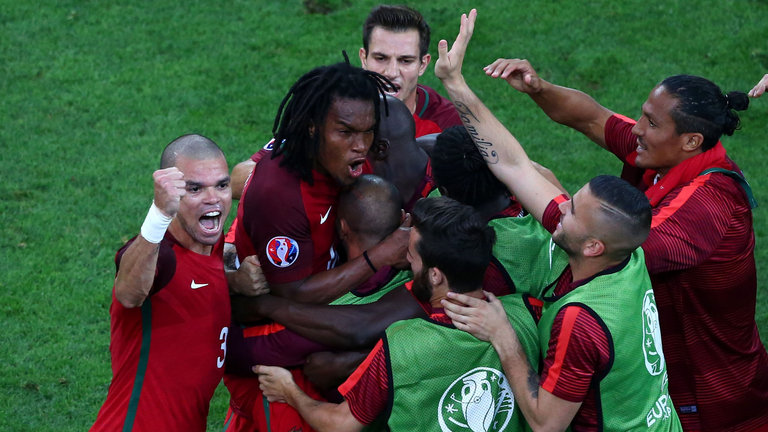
{"x": 170, "y": 306}
{"x": 603, "y": 366}
{"x": 700, "y": 250}
{"x": 396, "y": 44}
{"x": 323, "y": 132}
{"x": 429, "y": 374}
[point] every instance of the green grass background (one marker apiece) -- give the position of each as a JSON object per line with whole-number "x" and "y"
{"x": 91, "y": 91}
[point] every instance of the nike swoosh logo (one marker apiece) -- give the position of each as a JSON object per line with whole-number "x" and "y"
{"x": 324, "y": 217}
{"x": 196, "y": 285}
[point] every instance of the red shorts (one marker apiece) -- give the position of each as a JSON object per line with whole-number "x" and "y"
{"x": 249, "y": 410}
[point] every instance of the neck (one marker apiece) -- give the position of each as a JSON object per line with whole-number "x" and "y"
{"x": 438, "y": 295}
{"x": 411, "y": 101}
{"x": 186, "y": 241}
{"x": 586, "y": 267}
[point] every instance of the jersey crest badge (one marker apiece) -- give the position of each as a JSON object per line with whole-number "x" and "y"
{"x": 282, "y": 251}
{"x": 478, "y": 401}
{"x": 654, "y": 354}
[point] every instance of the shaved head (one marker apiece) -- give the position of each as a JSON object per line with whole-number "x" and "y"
{"x": 371, "y": 207}
{"x": 190, "y": 146}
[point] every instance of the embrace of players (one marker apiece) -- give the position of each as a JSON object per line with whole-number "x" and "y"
{"x": 399, "y": 263}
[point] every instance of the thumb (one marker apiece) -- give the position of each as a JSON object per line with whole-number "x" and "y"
{"x": 442, "y": 48}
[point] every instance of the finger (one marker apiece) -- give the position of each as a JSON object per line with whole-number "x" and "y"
{"x": 442, "y": 49}
{"x": 463, "y": 298}
{"x": 406, "y": 221}
{"x": 458, "y": 309}
{"x": 491, "y": 297}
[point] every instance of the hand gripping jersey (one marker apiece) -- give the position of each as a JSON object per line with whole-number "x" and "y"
{"x": 444, "y": 379}
{"x": 168, "y": 355}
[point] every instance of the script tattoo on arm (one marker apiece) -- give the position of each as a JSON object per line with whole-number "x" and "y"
{"x": 484, "y": 146}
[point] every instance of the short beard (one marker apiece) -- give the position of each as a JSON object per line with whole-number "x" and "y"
{"x": 422, "y": 288}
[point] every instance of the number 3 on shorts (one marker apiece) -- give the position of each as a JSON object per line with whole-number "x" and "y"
{"x": 223, "y": 339}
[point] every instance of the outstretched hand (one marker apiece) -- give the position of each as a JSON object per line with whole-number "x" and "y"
{"x": 275, "y": 382}
{"x": 518, "y": 73}
{"x": 760, "y": 87}
{"x": 448, "y": 65}
{"x": 485, "y": 320}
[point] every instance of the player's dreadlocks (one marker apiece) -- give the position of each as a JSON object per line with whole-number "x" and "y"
{"x": 307, "y": 104}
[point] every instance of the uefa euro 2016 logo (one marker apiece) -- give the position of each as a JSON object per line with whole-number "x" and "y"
{"x": 282, "y": 251}
{"x": 654, "y": 355}
{"x": 478, "y": 401}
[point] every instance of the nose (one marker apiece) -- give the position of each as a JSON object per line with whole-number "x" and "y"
{"x": 563, "y": 206}
{"x": 636, "y": 128}
{"x": 211, "y": 195}
{"x": 391, "y": 70}
{"x": 362, "y": 143}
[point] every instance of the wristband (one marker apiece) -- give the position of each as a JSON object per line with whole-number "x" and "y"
{"x": 154, "y": 226}
{"x": 368, "y": 260}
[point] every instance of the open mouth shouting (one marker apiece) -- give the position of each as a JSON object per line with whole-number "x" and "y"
{"x": 356, "y": 168}
{"x": 211, "y": 222}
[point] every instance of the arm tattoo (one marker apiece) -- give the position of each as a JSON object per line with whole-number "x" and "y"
{"x": 470, "y": 120}
{"x": 533, "y": 383}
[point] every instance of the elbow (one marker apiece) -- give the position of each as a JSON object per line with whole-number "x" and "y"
{"x": 124, "y": 297}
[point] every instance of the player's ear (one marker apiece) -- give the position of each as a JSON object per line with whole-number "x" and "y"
{"x": 425, "y": 59}
{"x": 435, "y": 276}
{"x": 343, "y": 229}
{"x": 363, "y": 55}
{"x": 381, "y": 150}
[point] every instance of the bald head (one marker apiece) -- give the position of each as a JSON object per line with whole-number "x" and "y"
{"x": 190, "y": 146}
{"x": 371, "y": 208}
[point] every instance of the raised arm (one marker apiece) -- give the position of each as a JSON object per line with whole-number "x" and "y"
{"x": 137, "y": 266}
{"x": 564, "y": 105}
{"x": 503, "y": 153}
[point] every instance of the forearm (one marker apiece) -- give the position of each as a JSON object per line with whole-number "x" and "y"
{"x": 323, "y": 416}
{"x": 523, "y": 380}
{"x": 542, "y": 410}
{"x": 136, "y": 273}
{"x": 573, "y": 108}
{"x": 326, "y": 286}
{"x": 342, "y": 326}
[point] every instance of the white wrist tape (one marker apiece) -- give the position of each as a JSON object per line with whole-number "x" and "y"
{"x": 155, "y": 225}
